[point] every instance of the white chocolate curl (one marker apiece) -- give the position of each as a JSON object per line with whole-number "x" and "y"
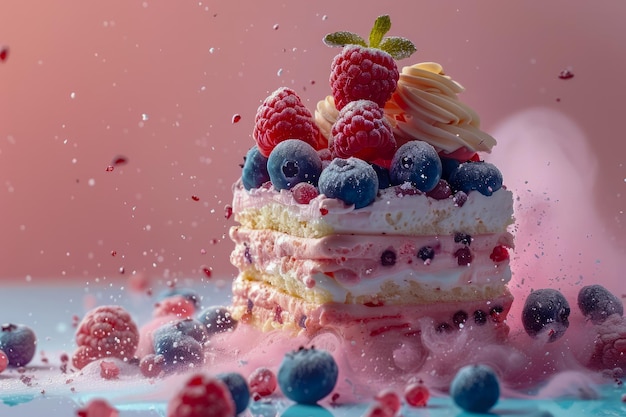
{"x": 425, "y": 107}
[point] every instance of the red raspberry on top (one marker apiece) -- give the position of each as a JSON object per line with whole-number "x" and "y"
{"x": 363, "y": 71}
{"x": 282, "y": 116}
{"x": 202, "y": 396}
{"x": 106, "y": 331}
{"x": 362, "y": 131}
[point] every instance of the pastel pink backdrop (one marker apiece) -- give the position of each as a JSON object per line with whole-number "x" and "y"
{"x": 159, "y": 83}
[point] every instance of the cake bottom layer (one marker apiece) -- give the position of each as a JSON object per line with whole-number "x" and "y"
{"x": 395, "y": 338}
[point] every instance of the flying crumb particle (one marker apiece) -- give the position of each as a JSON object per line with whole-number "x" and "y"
{"x": 566, "y": 74}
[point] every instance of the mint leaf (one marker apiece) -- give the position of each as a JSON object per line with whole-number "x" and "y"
{"x": 397, "y": 47}
{"x": 343, "y": 39}
{"x": 381, "y": 27}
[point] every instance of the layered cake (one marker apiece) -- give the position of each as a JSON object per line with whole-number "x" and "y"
{"x": 375, "y": 218}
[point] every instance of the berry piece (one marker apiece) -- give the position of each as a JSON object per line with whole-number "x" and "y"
{"x": 384, "y": 180}
{"x": 388, "y": 258}
{"x": 362, "y": 131}
{"x": 426, "y": 253}
{"x": 351, "y": 180}
{"x": 152, "y": 365}
{"x": 187, "y": 293}
{"x": 293, "y": 161}
{"x": 303, "y": 192}
{"x": 459, "y": 318}
{"x": 416, "y": 394}
{"x": 254, "y": 173}
{"x": 499, "y": 254}
{"x": 480, "y": 176}
{"x": 389, "y": 400}
{"x": 416, "y": 162}
{"x": 597, "y": 303}
{"x": 109, "y": 370}
{"x": 442, "y": 191}
{"x": 238, "y": 387}
{"x": 19, "y": 343}
{"x": 475, "y": 388}
{"x": 4, "y": 361}
{"x": 180, "y": 343}
{"x": 464, "y": 256}
{"x": 106, "y": 331}
{"x": 176, "y": 305}
{"x": 363, "y": 71}
{"x": 480, "y": 317}
{"x": 202, "y": 396}
{"x": 262, "y": 381}
{"x": 307, "y": 375}
{"x": 217, "y": 319}
{"x": 546, "y": 310}
{"x": 98, "y": 408}
{"x": 459, "y": 198}
{"x": 282, "y": 116}
{"x": 463, "y": 238}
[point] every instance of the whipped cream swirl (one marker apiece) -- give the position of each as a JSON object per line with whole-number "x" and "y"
{"x": 425, "y": 107}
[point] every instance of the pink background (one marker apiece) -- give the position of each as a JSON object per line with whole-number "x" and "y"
{"x": 159, "y": 82}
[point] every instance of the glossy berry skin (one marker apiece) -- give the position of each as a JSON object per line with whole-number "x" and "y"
{"x": 291, "y": 162}
{"x": 597, "y": 303}
{"x": 262, "y": 381}
{"x": 217, "y": 319}
{"x": 416, "y": 162}
{"x": 254, "y": 173}
{"x": 448, "y": 166}
{"x": 475, "y": 388}
{"x": 307, "y": 375}
{"x": 239, "y": 390}
{"x": 416, "y": 395}
{"x": 19, "y": 343}
{"x": 351, "y": 180}
{"x": 362, "y": 131}
{"x": 359, "y": 73}
{"x": 546, "y": 310}
{"x": 304, "y": 192}
{"x": 282, "y": 116}
{"x": 483, "y": 177}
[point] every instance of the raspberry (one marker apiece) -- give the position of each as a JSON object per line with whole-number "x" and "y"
{"x": 202, "y": 396}
{"x": 416, "y": 394}
{"x": 282, "y": 116}
{"x": 303, "y": 192}
{"x": 176, "y": 305}
{"x": 363, "y": 73}
{"x": 106, "y": 331}
{"x": 499, "y": 254}
{"x": 362, "y": 131}
{"x": 98, "y": 408}
{"x": 262, "y": 381}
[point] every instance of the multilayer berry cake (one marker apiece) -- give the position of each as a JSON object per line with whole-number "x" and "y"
{"x": 375, "y": 218}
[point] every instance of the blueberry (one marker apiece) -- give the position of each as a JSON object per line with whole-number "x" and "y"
{"x": 597, "y": 303}
{"x": 187, "y": 293}
{"x": 416, "y": 162}
{"x": 480, "y": 176}
{"x": 351, "y": 180}
{"x": 426, "y": 253}
{"x": 546, "y": 310}
{"x": 254, "y": 172}
{"x": 388, "y": 258}
{"x": 448, "y": 166}
{"x": 238, "y": 387}
{"x": 475, "y": 388}
{"x": 384, "y": 180}
{"x": 293, "y": 161}
{"x": 177, "y": 348}
{"x": 307, "y": 375}
{"x": 217, "y": 319}
{"x": 192, "y": 327}
{"x": 459, "y": 318}
{"x": 19, "y": 343}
